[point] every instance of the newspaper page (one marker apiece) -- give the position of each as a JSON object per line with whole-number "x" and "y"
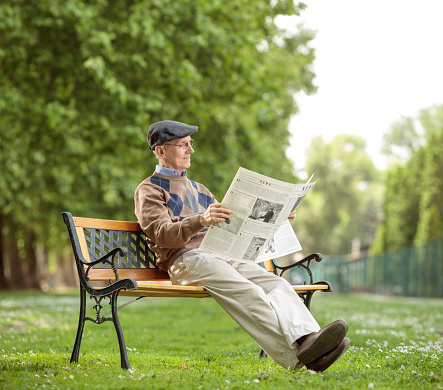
{"x": 259, "y": 229}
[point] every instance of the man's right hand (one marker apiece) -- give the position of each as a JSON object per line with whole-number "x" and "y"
{"x": 215, "y": 213}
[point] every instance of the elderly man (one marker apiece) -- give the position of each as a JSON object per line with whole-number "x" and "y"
{"x": 175, "y": 213}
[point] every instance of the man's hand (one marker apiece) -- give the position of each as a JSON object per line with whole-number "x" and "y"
{"x": 292, "y": 216}
{"x": 215, "y": 213}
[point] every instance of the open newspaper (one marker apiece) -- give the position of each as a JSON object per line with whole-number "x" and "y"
{"x": 259, "y": 229}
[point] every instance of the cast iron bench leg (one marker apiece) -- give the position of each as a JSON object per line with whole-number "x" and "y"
{"x": 308, "y": 298}
{"x": 121, "y": 341}
{"x": 81, "y": 325}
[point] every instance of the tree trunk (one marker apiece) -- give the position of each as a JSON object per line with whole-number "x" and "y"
{"x": 68, "y": 270}
{"x": 59, "y": 273}
{"x": 32, "y": 260}
{"x": 16, "y": 264}
{"x": 4, "y": 285}
{"x": 45, "y": 279}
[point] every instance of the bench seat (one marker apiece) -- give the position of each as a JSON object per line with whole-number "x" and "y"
{"x": 164, "y": 290}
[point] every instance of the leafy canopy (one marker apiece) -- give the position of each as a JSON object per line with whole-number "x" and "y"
{"x": 81, "y": 81}
{"x": 413, "y": 204}
{"x": 345, "y": 203}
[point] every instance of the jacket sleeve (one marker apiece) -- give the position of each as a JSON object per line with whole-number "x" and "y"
{"x": 155, "y": 220}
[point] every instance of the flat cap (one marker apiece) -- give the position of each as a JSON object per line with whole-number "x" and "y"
{"x": 164, "y": 131}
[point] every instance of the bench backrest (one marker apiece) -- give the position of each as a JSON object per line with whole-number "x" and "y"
{"x": 92, "y": 238}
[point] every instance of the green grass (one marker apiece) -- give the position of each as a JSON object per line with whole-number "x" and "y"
{"x": 194, "y": 344}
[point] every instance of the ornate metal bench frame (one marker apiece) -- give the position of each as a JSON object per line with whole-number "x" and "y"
{"x": 116, "y": 252}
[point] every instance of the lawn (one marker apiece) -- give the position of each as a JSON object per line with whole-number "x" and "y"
{"x": 193, "y": 344}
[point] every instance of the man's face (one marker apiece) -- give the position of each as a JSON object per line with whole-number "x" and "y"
{"x": 176, "y": 157}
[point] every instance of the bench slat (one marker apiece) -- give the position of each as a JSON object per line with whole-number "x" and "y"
{"x": 106, "y": 224}
{"x": 83, "y": 244}
{"x": 164, "y": 294}
{"x": 169, "y": 287}
{"x": 302, "y": 289}
{"x": 104, "y": 274}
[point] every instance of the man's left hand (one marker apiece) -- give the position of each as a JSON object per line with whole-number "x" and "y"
{"x": 292, "y": 216}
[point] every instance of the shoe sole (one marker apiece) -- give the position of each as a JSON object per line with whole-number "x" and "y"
{"x": 323, "y": 342}
{"x": 327, "y": 360}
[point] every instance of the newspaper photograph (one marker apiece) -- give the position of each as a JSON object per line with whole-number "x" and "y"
{"x": 259, "y": 229}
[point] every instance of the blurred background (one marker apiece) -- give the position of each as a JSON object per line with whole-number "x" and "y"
{"x": 349, "y": 91}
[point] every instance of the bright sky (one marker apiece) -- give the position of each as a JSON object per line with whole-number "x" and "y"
{"x": 375, "y": 61}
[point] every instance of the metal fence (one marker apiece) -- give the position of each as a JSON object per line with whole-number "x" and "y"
{"x": 415, "y": 271}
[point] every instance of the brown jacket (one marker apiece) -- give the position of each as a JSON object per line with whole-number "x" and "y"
{"x": 168, "y": 210}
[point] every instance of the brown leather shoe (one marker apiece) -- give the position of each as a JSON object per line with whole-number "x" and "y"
{"x": 322, "y": 363}
{"x": 320, "y": 343}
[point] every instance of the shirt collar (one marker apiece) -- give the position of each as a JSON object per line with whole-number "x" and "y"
{"x": 168, "y": 171}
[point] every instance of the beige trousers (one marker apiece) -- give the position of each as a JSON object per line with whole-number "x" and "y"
{"x": 263, "y": 304}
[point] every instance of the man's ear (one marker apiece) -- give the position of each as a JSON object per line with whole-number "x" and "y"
{"x": 159, "y": 150}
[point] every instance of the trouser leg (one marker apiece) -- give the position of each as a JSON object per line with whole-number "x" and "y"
{"x": 294, "y": 318}
{"x": 263, "y": 304}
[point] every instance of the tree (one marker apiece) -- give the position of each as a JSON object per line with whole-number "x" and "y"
{"x": 401, "y": 211}
{"x": 80, "y": 82}
{"x": 413, "y": 201}
{"x": 402, "y": 139}
{"x": 408, "y": 134}
{"x": 345, "y": 204}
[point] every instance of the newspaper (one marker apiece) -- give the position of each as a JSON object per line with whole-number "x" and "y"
{"x": 259, "y": 229}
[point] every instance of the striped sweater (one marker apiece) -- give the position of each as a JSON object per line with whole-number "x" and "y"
{"x": 168, "y": 210}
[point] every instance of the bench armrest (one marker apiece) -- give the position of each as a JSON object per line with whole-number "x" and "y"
{"x": 105, "y": 260}
{"x": 114, "y": 285}
{"x": 304, "y": 263}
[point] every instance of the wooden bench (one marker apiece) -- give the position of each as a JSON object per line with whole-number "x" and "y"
{"x": 116, "y": 252}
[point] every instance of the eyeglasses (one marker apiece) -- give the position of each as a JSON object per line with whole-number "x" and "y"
{"x": 184, "y": 145}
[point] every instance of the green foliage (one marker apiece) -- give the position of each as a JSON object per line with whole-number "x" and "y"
{"x": 430, "y": 224}
{"x": 402, "y": 198}
{"x": 394, "y": 344}
{"x": 402, "y": 140}
{"x": 413, "y": 201}
{"x": 345, "y": 203}
{"x": 407, "y": 135}
{"x": 80, "y": 82}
